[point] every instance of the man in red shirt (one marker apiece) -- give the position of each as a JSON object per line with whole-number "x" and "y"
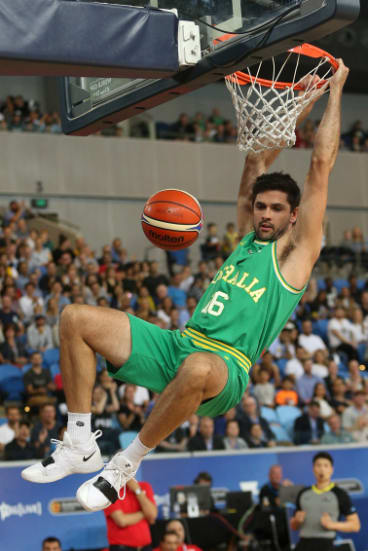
{"x": 176, "y": 526}
{"x": 128, "y": 520}
{"x": 169, "y": 542}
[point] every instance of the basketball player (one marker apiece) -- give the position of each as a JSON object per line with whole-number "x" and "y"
{"x": 205, "y": 368}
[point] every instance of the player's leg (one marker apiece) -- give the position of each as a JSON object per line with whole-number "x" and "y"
{"x": 201, "y": 376}
{"x": 84, "y": 331}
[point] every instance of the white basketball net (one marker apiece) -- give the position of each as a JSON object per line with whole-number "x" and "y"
{"x": 266, "y": 116}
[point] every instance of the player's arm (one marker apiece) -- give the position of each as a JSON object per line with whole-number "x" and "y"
{"x": 255, "y": 165}
{"x": 350, "y": 524}
{"x": 309, "y": 229}
{"x": 297, "y": 520}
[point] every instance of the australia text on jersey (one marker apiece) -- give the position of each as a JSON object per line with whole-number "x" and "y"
{"x": 243, "y": 280}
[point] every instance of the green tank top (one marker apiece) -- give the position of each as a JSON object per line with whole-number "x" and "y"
{"x": 247, "y": 303}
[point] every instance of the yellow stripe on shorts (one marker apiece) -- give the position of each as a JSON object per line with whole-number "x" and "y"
{"x": 211, "y": 344}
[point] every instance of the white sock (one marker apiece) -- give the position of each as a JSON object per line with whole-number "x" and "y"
{"x": 136, "y": 451}
{"x": 79, "y": 427}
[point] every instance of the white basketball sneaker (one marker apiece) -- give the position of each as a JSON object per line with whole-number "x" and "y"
{"x": 67, "y": 459}
{"x": 104, "y": 489}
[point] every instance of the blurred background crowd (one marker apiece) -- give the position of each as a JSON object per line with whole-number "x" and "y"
{"x": 18, "y": 114}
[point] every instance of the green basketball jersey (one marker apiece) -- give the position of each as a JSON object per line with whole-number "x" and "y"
{"x": 248, "y": 301}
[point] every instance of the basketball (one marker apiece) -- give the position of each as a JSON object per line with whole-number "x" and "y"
{"x": 172, "y": 219}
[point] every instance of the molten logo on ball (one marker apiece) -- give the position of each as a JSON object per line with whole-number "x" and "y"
{"x": 172, "y": 219}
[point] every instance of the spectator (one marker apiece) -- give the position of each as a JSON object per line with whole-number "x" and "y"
{"x": 310, "y": 341}
{"x": 308, "y": 428}
{"x": 264, "y": 391}
{"x": 103, "y": 406}
{"x": 212, "y": 245}
{"x": 154, "y": 279}
{"x": 39, "y": 334}
{"x": 320, "y": 364}
{"x": 283, "y": 347}
{"x": 294, "y": 367}
{"x": 230, "y": 239}
{"x": 232, "y": 440}
{"x": 7, "y": 315}
{"x": 128, "y": 520}
{"x": 206, "y": 440}
{"x": 169, "y": 541}
{"x": 338, "y": 396}
{"x": 355, "y": 417}
{"x": 38, "y": 383}
{"x": 177, "y": 294}
{"x": 306, "y": 383}
{"x": 9, "y": 430}
{"x": 45, "y": 429}
{"x": 333, "y": 374}
{"x": 358, "y": 327}
{"x": 319, "y": 395}
{"x": 164, "y": 311}
{"x": 256, "y": 437}
{"x": 287, "y": 396}
{"x": 247, "y": 416}
{"x": 30, "y": 304}
{"x": 48, "y": 278}
{"x": 20, "y": 449}
{"x": 40, "y": 255}
{"x": 12, "y": 350}
{"x": 177, "y": 526}
{"x": 354, "y": 381}
{"x": 268, "y": 364}
{"x": 336, "y": 435}
{"x": 182, "y": 129}
{"x": 186, "y": 313}
{"x": 269, "y": 493}
{"x": 51, "y": 544}
{"x": 130, "y": 415}
{"x": 340, "y": 334}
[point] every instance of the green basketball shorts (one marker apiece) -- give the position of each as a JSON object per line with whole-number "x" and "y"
{"x": 158, "y": 353}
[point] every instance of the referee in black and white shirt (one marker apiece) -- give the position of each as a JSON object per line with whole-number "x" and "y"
{"x": 319, "y": 507}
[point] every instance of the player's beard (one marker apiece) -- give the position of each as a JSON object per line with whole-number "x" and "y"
{"x": 272, "y": 235}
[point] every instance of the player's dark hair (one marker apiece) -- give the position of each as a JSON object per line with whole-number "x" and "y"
{"x": 323, "y": 455}
{"x": 278, "y": 181}
{"x": 203, "y": 475}
{"x": 168, "y": 533}
{"x": 51, "y": 539}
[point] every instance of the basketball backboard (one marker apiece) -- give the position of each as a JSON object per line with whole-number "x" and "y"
{"x": 260, "y": 28}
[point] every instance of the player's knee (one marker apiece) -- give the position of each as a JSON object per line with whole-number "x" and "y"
{"x": 194, "y": 374}
{"x": 71, "y": 319}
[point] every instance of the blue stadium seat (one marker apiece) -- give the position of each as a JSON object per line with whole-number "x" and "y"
{"x": 51, "y": 356}
{"x": 25, "y": 368}
{"x": 125, "y": 438}
{"x": 54, "y": 369}
{"x": 280, "y": 433}
{"x": 269, "y": 414}
{"x": 3, "y": 420}
{"x": 320, "y": 328}
{"x": 281, "y": 363}
{"x": 321, "y": 284}
{"x": 286, "y": 416}
{"x": 340, "y": 283}
{"x": 8, "y": 371}
{"x": 13, "y": 388}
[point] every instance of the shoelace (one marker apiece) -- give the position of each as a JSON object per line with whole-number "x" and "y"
{"x": 60, "y": 444}
{"x": 119, "y": 477}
